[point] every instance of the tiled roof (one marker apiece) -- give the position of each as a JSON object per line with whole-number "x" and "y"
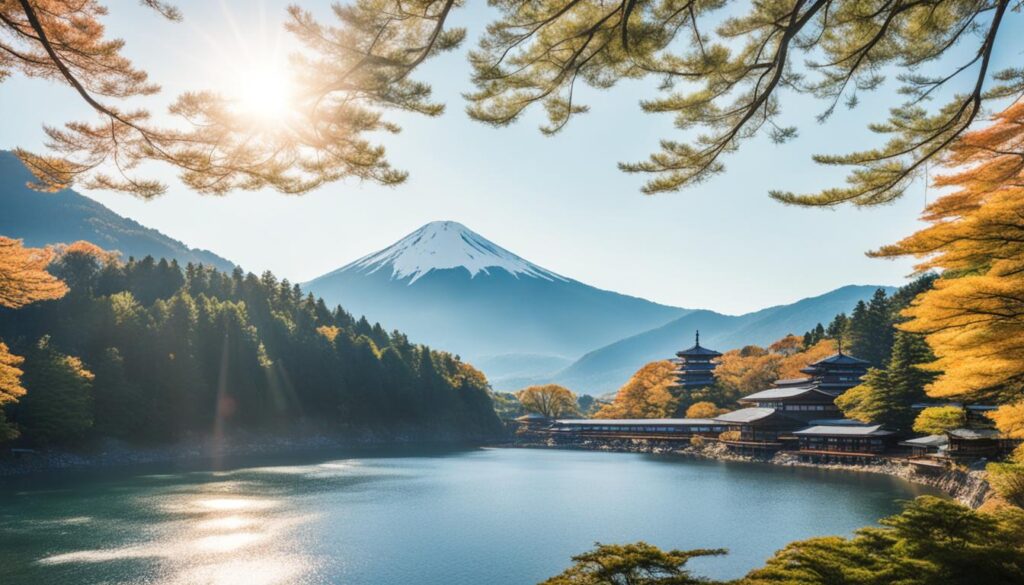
{"x": 841, "y": 359}
{"x": 745, "y": 415}
{"x": 777, "y": 393}
{"x": 844, "y": 431}
{"x": 927, "y": 441}
{"x": 974, "y": 433}
{"x": 634, "y": 421}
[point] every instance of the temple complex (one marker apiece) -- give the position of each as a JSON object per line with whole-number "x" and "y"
{"x": 796, "y": 415}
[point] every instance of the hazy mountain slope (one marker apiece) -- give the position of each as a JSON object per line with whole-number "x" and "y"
{"x": 609, "y": 367}
{"x": 452, "y": 288}
{"x": 50, "y": 218}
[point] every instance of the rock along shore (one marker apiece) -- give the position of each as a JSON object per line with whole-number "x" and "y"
{"x": 968, "y": 487}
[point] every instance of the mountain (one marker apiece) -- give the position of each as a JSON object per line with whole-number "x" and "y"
{"x": 608, "y": 367}
{"x": 450, "y": 287}
{"x": 66, "y": 216}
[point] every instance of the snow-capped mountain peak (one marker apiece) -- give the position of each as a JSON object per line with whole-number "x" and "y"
{"x": 441, "y": 245}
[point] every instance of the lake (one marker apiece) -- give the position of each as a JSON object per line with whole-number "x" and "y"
{"x": 475, "y": 517}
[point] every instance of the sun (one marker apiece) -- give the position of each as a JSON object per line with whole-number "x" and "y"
{"x": 264, "y": 93}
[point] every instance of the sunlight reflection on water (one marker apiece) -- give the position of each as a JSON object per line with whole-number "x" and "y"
{"x": 494, "y": 517}
{"x": 217, "y": 532}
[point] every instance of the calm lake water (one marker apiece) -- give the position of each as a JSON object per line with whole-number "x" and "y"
{"x": 480, "y": 517}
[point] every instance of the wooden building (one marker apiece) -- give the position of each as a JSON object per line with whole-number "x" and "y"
{"x": 533, "y": 422}
{"x": 696, "y": 367}
{"x": 844, "y": 442}
{"x": 926, "y": 446}
{"x": 974, "y": 443}
{"x": 637, "y": 428}
{"x": 758, "y": 429}
{"x": 837, "y": 373}
{"x": 800, "y": 402}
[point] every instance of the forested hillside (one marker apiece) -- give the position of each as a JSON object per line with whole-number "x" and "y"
{"x": 68, "y": 216}
{"x": 148, "y": 350}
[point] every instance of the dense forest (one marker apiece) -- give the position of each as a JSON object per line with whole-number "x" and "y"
{"x": 148, "y": 350}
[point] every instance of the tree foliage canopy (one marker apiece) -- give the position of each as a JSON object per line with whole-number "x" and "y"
{"x": 933, "y": 541}
{"x": 936, "y": 420}
{"x": 647, "y": 394}
{"x": 631, "y": 564}
{"x": 973, "y": 318}
{"x": 724, "y": 74}
{"x": 23, "y": 280}
{"x": 176, "y": 352}
{"x": 549, "y": 400}
{"x": 345, "y": 75}
{"x": 885, "y": 396}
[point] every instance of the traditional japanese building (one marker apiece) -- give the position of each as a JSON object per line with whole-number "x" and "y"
{"x": 844, "y": 441}
{"x": 927, "y": 445}
{"x": 836, "y": 374}
{"x": 799, "y": 402}
{"x": 643, "y": 428}
{"x": 758, "y": 430}
{"x": 975, "y": 443}
{"x": 696, "y": 367}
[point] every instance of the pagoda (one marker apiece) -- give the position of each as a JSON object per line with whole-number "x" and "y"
{"x": 696, "y": 366}
{"x": 837, "y": 373}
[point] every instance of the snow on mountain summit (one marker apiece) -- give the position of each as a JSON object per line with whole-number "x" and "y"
{"x": 442, "y": 245}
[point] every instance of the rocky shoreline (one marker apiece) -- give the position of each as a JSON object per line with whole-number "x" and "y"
{"x": 968, "y": 487}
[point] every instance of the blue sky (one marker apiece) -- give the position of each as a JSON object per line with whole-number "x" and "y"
{"x": 557, "y": 201}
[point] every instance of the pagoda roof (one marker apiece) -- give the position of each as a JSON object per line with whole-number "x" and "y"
{"x": 782, "y": 393}
{"x": 841, "y": 359}
{"x": 697, "y": 350}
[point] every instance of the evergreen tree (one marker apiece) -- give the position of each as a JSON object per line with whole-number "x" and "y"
{"x": 885, "y": 395}
{"x": 224, "y": 352}
{"x": 57, "y": 406}
{"x": 837, "y": 328}
{"x": 119, "y": 405}
{"x": 869, "y": 333}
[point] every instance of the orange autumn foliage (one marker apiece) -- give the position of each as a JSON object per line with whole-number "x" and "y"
{"x": 792, "y": 364}
{"x": 754, "y": 368}
{"x": 973, "y": 318}
{"x": 703, "y": 409}
{"x": 23, "y": 280}
{"x": 646, "y": 395}
{"x": 23, "y": 275}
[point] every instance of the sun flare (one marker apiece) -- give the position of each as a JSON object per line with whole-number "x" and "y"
{"x": 264, "y": 93}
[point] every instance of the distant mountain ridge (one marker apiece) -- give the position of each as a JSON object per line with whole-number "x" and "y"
{"x": 606, "y": 368}
{"x": 67, "y": 216}
{"x": 521, "y": 323}
{"x": 450, "y": 287}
